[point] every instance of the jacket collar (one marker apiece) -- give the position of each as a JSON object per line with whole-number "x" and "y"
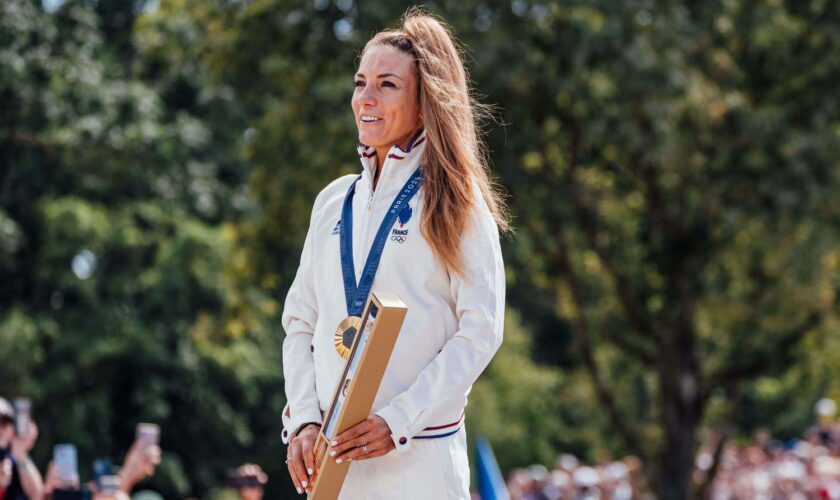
{"x": 398, "y": 166}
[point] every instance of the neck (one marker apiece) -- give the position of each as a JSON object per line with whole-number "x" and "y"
{"x": 382, "y": 154}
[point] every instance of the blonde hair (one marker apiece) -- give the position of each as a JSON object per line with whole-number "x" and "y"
{"x": 455, "y": 155}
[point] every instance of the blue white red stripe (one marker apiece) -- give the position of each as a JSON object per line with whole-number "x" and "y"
{"x": 439, "y": 431}
{"x": 367, "y": 154}
{"x": 366, "y": 151}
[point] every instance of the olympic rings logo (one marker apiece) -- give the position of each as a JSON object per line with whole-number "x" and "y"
{"x": 399, "y": 238}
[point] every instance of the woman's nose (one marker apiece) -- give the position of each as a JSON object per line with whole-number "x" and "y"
{"x": 368, "y": 95}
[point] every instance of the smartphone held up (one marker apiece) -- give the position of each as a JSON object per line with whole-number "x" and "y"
{"x": 148, "y": 434}
{"x": 23, "y": 411}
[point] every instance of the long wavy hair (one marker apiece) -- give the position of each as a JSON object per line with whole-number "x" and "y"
{"x": 455, "y": 156}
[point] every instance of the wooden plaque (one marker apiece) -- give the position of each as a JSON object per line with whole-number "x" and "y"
{"x": 356, "y": 390}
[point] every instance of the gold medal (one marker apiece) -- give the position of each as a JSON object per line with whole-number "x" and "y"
{"x": 344, "y": 335}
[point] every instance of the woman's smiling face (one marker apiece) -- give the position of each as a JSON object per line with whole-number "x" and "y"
{"x": 385, "y": 100}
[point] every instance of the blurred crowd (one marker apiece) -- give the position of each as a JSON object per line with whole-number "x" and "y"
{"x": 21, "y": 479}
{"x": 799, "y": 469}
{"x": 807, "y": 468}
{"x": 765, "y": 469}
{"x": 570, "y": 479}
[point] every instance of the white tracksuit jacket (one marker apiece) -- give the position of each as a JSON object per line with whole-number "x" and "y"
{"x": 451, "y": 331}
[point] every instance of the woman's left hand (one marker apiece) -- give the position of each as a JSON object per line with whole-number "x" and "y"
{"x": 350, "y": 444}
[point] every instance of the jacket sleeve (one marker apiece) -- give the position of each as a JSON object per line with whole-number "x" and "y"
{"x": 300, "y": 314}
{"x": 479, "y": 298}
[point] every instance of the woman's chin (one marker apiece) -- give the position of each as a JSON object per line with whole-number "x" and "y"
{"x": 373, "y": 139}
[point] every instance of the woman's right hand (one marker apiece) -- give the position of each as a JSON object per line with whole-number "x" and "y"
{"x": 299, "y": 456}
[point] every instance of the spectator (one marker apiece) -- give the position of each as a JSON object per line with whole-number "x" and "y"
{"x": 765, "y": 469}
{"x": 113, "y": 488}
{"x": 24, "y": 480}
{"x": 825, "y": 431}
{"x": 249, "y": 480}
{"x": 55, "y": 482}
{"x": 140, "y": 462}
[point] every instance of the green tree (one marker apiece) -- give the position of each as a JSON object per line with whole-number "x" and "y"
{"x": 528, "y": 411}
{"x": 115, "y": 190}
{"x": 672, "y": 172}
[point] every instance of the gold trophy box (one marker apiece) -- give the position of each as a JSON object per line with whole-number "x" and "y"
{"x": 356, "y": 389}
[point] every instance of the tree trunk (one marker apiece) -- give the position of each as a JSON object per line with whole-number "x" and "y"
{"x": 681, "y": 415}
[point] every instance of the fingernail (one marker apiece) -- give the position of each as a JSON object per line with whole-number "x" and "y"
{"x": 332, "y": 453}
{"x": 309, "y": 471}
{"x": 300, "y": 491}
{"x": 338, "y": 461}
{"x": 304, "y": 483}
{"x": 334, "y": 442}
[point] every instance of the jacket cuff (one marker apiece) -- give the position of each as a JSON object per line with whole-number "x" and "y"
{"x": 293, "y": 424}
{"x": 399, "y": 427}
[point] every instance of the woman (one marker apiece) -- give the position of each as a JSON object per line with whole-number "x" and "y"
{"x": 439, "y": 251}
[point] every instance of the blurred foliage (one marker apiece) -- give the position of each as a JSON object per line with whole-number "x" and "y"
{"x": 118, "y": 189}
{"x": 672, "y": 168}
{"x": 531, "y": 412}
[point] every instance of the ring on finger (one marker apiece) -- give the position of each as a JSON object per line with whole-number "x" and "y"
{"x": 364, "y": 449}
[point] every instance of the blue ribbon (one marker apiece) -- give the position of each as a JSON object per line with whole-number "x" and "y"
{"x": 356, "y": 296}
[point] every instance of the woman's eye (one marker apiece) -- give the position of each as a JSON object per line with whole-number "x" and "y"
{"x": 388, "y": 84}
{"x": 359, "y": 83}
